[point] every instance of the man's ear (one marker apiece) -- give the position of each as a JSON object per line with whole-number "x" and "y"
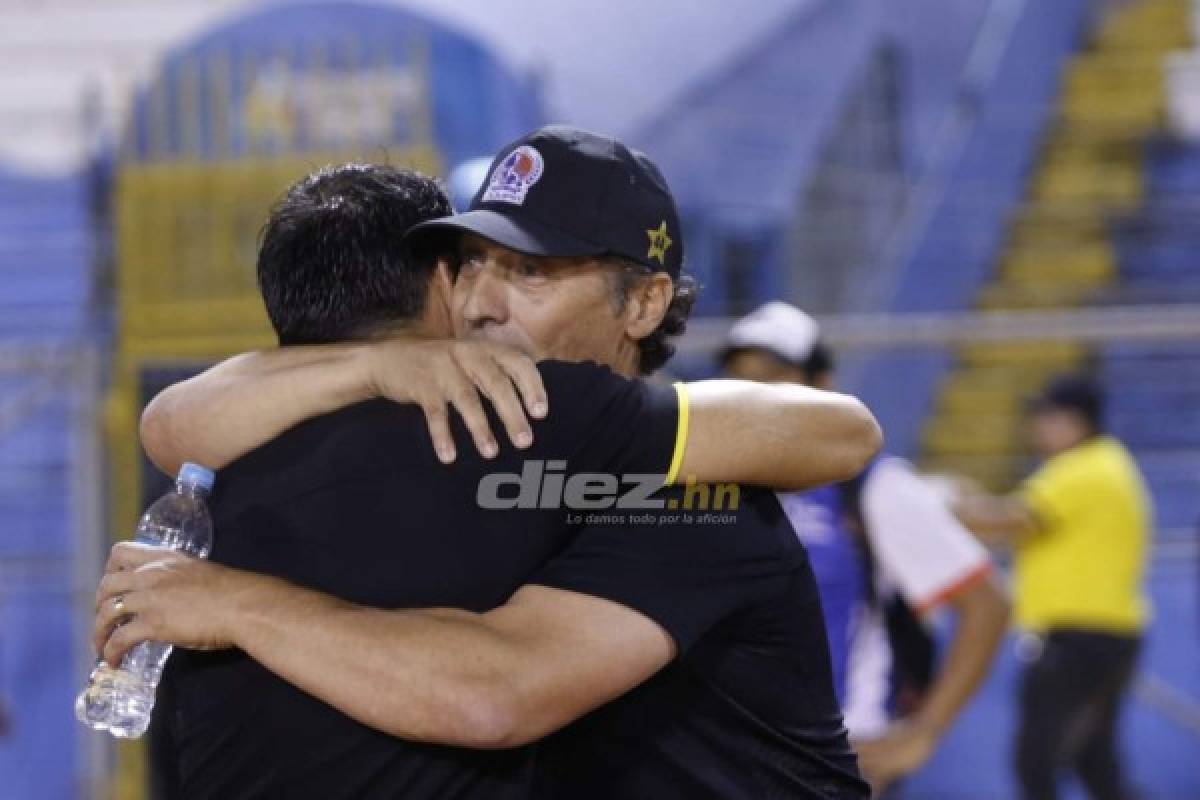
{"x": 441, "y": 290}
{"x": 444, "y": 271}
{"x": 647, "y": 304}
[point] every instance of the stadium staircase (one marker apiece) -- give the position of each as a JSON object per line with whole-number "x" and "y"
{"x": 1109, "y": 217}
{"x": 1080, "y": 238}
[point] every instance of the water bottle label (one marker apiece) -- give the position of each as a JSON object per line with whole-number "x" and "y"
{"x": 143, "y": 537}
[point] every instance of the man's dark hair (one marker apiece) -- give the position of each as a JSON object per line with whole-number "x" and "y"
{"x": 1078, "y": 394}
{"x": 332, "y": 265}
{"x": 657, "y": 348}
{"x": 820, "y": 362}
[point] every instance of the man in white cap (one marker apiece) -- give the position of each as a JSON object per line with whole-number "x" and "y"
{"x": 887, "y": 553}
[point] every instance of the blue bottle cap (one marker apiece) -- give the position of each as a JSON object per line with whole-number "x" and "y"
{"x": 196, "y": 475}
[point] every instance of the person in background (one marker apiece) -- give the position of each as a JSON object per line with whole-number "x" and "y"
{"x": 887, "y": 553}
{"x": 1079, "y": 529}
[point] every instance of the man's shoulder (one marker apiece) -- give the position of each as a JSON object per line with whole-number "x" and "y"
{"x": 581, "y": 392}
{"x": 601, "y": 421}
{"x": 1111, "y": 452}
{"x": 574, "y": 372}
{"x": 349, "y": 443}
{"x": 696, "y": 524}
{"x": 730, "y": 520}
{"x": 734, "y": 498}
{"x": 364, "y": 422}
{"x": 1082, "y": 465}
{"x": 367, "y": 420}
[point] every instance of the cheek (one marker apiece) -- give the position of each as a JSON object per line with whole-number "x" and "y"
{"x": 1042, "y": 435}
{"x": 575, "y": 328}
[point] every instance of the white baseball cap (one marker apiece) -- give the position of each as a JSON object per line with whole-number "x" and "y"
{"x": 778, "y": 328}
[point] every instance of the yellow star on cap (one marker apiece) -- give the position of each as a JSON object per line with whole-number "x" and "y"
{"x": 660, "y": 243}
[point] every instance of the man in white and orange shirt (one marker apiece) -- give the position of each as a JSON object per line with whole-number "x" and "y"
{"x": 888, "y": 553}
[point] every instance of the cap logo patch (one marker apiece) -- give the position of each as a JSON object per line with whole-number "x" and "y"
{"x": 660, "y": 243}
{"x": 514, "y": 175}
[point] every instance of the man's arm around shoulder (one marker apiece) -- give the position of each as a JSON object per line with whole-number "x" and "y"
{"x": 498, "y": 679}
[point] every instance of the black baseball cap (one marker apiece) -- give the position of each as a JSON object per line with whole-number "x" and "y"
{"x": 561, "y": 191}
{"x": 1075, "y": 393}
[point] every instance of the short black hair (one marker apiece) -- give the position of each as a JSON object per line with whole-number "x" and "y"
{"x": 820, "y": 362}
{"x": 1079, "y": 394}
{"x": 332, "y": 265}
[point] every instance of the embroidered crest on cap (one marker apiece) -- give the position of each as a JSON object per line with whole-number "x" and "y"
{"x": 514, "y": 175}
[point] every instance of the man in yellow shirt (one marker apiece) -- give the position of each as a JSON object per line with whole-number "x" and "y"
{"x": 1079, "y": 528}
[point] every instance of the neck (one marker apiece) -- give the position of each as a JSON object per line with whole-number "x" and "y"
{"x": 625, "y": 362}
{"x": 1074, "y": 443}
{"x": 406, "y": 328}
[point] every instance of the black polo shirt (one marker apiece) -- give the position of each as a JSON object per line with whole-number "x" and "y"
{"x": 356, "y": 504}
{"x": 747, "y": 709}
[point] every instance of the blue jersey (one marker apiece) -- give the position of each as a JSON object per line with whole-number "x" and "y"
{"x": 819, "y": 517}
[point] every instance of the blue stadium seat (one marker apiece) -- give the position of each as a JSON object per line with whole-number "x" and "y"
{"x": 1172, "y": 168}
{"x": 1154, "y": 407}
{"x": 45, "y": 269}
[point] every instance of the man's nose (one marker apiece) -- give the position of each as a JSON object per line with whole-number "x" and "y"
{"x": 485, "y": 296}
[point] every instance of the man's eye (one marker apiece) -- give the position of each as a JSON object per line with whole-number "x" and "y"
{"x": 470, "y": 262}
{"x": 530, "y": 269}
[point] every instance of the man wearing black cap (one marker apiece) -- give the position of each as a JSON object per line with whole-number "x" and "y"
{"x": 689, "y": 629}
{"x": 1079, "y": 528}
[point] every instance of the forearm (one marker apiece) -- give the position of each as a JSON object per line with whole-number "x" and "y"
{"x": 248, "y": 400}
{"x": 428, "y": 675}
{"x": 503, "y": 678}
{"x": 983, "y": 612}
{"x": 783, "y": 436}
{"x": 995, "y": 521}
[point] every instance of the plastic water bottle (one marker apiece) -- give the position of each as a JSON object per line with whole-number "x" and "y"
{"x": 119, "y": 700}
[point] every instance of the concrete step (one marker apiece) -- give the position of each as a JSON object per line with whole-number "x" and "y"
{"x": 1117, "y": 76}
{"x": 1018, "y": 297}
{"x": 997, "y": 391}
{"x": 974, "y": 435}
{"x": 1148, "y": 24}
{"x": 1114, "y": 186}
{"x": 1139, "y": 116}
{"x": 1085, "y": 264}
{"x": 1036, "y": 223}
{"x": 1043, "y": 355}
{"x": 1068, "y": 148}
